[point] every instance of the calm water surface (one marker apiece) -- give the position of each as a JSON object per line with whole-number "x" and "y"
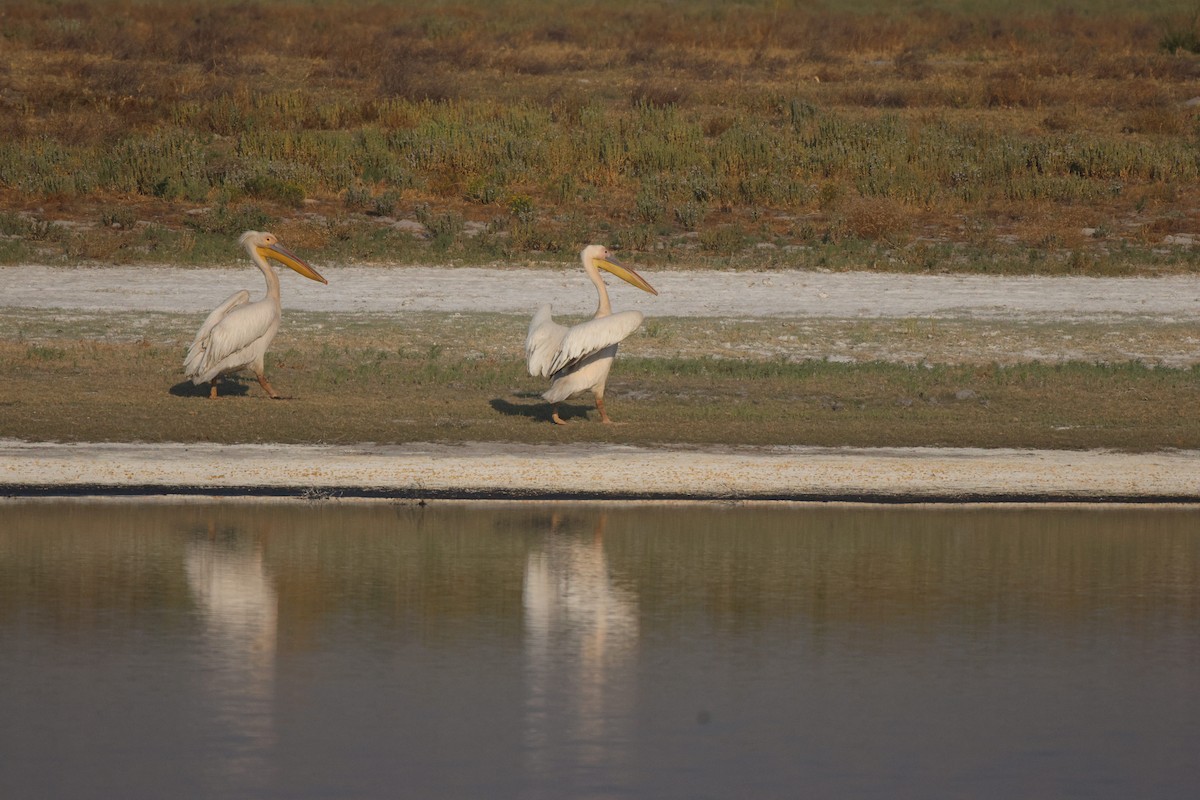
{"x": 332, "y": 650}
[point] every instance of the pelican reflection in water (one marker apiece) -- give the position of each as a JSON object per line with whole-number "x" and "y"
{"x": 581, "y": 632}
{"x": 238, "y": 606}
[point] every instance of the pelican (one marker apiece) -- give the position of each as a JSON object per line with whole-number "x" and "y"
{"x": 579, "y": 358}
{"x": 237, "y": 333}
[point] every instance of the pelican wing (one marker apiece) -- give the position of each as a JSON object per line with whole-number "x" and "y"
{"x": 542, "y": 342}
{"x": 199, "y": 355}
{"x": 227, "y": 338}
{"x": 241, "y": 328}
{"x": 564, "y": 347}
{"x": 220, "y": 312}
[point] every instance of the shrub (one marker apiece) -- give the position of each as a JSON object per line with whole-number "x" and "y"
{"x": 118, "y": 217}
{"x": 230, "y": 221}
{"x": 722, "y": 239}
{"x": 658, "y": 94}
{"x": 1181, "y": 36}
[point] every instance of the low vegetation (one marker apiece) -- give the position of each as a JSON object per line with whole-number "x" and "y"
{"x": 984, "y": 136}
{"x": 990, "y": 136}
{"x": 369, "y": 380}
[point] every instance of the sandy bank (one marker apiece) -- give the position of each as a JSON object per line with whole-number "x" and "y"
{"x": 493, "y": 470}
{"x": 429, "y": 471}
{"x": 852, "y": 295}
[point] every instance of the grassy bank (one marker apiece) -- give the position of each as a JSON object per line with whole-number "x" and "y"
{"x": 372, "y": 381}
{"x": 987, "y": 136}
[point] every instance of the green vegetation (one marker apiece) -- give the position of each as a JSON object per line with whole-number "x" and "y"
{"x": 980, "y": 136}
{"x": 454, "y": 377}
{"x": 987, "y": 136}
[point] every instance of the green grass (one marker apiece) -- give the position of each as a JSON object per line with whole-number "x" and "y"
{"x": 368, "y": 380}
{"x": 982, "y": 136}
{"x": 986, "y": 137}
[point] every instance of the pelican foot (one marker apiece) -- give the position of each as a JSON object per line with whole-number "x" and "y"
{"x": 270, "y": 390}
{"x": 557, "y": 420}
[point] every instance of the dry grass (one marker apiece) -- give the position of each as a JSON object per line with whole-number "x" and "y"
{"x": 368, "y": 381}
{"x": 997, "y": 137}
{"x": 518, "y": 131}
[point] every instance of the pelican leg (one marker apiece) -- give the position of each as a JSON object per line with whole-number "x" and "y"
{"x": 603, "y": 414}
{"x": 262, "y": 379}
{"x": 555, "y": 418}
{"x": 212, "y": 392}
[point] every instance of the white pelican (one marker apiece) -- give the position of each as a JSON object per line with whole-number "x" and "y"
{"x": 237, "y": 333}
{"x": 579, "y": 358}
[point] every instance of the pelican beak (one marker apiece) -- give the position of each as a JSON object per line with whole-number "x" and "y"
{"x": 291, "y": 260}
{"x": 611, "y": 265}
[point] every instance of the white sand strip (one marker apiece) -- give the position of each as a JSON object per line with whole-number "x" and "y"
{"x": 790, "y": 293}
{"x": 510, "y": 470}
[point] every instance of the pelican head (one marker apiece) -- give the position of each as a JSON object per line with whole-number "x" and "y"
{"x": 599, "y": 256}
{"x": 266, "y": 245}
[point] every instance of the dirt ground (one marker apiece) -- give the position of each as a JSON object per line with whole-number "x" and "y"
{"x": 1163, "y": 313}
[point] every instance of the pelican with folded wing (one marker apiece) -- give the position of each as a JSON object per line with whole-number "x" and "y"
{"x": 578, "y": 358}
{"x": 237, "y": 333}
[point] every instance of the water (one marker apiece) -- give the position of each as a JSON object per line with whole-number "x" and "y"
{"x": 552, "y": 651}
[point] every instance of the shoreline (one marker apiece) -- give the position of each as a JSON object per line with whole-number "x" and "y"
{"x": 501, "y": 472}
{"x": 494, "y": 471}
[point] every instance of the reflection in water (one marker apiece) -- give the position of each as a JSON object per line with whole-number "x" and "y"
{"x": 239, "y": 608}
{"x": 368, "y": 650}
{"x": 580, "y": 640}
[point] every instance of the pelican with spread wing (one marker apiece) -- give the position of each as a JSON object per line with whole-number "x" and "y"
{"x": 578, "y": 358}
{"x": 237, "y": 333}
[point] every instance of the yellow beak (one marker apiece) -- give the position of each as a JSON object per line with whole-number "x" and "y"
{"x": 291, "y": 260}
{"x": 614, "y": 267}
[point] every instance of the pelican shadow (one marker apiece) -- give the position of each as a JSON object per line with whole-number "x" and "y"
{"x": 226, "y": 388}
{"x": 540, "y": 411}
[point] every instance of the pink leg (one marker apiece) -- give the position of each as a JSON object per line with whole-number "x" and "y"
{"x": 603, "y": 414}
{"x": 262, "y": 379}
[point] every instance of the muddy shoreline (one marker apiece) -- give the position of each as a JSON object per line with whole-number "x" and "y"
{"x": 491, "y": 471}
